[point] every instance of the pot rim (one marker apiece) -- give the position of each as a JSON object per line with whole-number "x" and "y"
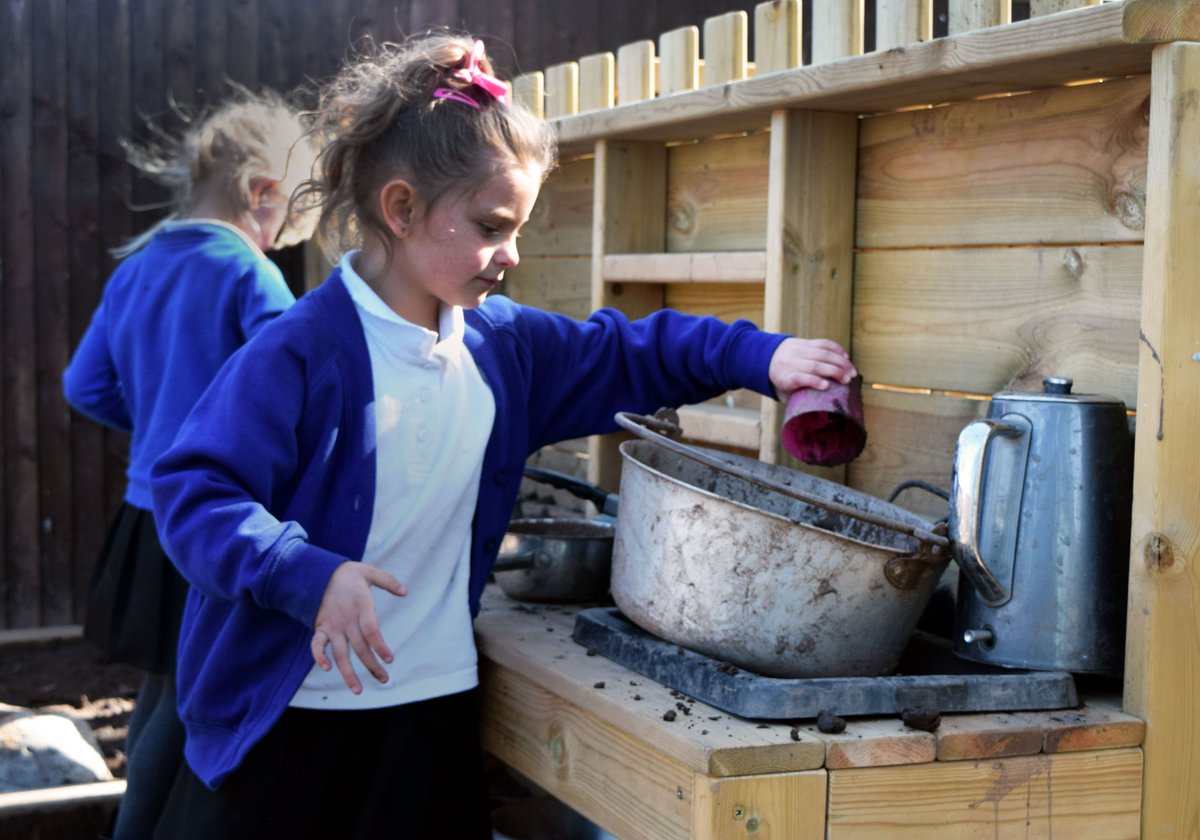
{"x": 914, "y": 519}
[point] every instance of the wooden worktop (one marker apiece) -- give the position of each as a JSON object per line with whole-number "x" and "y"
{"x": 597, "y": 736}
{"x": 534, "y": 642}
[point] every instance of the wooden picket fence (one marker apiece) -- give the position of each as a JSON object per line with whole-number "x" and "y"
{"x": 691, "y": 57}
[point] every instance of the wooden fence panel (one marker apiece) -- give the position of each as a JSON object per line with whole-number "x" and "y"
{"x": 87, "y": 514}
{"x": 51, "y": 293}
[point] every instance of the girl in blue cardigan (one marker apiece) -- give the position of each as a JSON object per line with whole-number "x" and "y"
{"x": 188, "y": 293}
{"x": 338, "y": 496}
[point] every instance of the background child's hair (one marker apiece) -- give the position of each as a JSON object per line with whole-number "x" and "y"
{"x": 249, "y": 135}
{"x": 382, "y": 120}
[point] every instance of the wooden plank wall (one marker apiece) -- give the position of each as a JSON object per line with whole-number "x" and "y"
{"x": 79, "y": 76}
{"x": 997, "y": 242}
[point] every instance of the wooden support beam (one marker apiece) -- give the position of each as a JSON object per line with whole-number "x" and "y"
{"x": 628, "y": 217}
{"x": 24, "y": 637}
{"x": 778, "y": 25}
{"x": 899, "y": 23}
{"x": 705, "y": 267}
{"x": 810, "y": 239}
{"x": 1162, "y": 660}
{"x": 723, "y": 426}
{"x": 1161, "y": 20}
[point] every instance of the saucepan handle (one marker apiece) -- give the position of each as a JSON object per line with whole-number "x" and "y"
{"x": 509, "y": 561}
{"x": 606, "y": 503}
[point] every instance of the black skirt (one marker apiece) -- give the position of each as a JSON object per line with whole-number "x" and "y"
{"x": 136, "y": 597}
{"x": 406, "y": 772}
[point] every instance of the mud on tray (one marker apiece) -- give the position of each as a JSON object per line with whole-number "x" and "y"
{"x": 929, "y": 676}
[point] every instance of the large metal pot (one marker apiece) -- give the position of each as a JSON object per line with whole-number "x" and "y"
{"x": 722, "y": 556}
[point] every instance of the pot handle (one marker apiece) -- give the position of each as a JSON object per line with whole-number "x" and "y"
{"x": 509, "y": 561}
{"x": 605, "y": 502}
{"x": 966, "y": 496}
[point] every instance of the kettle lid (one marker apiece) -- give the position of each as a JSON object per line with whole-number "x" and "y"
{"x": 1058, "y": 389}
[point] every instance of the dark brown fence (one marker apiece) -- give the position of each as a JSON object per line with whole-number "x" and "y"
{"x": 78, "y": 75}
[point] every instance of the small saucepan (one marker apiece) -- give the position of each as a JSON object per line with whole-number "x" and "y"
{"x": 555, "y": 560}
{"x": 559, "y": 560}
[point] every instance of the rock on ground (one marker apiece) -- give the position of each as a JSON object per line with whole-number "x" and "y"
{"x": 45, "y": 749}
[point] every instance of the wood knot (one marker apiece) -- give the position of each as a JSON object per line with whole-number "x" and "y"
{"x": 683, "y": 218}
{"x": 1130, "y": 209}
{"x": 1158, "y": 553}
{"x": 557, "y": 748}
{"x": 1073, "y": 262}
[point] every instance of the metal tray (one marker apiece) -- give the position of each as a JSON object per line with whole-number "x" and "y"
{"x": 929, "y": 677}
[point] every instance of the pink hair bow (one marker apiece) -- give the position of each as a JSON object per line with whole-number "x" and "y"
{"x": 472, "y": 75}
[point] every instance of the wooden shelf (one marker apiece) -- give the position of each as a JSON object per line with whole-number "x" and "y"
{"x": 699, "y": 267}
{"x": 718, "y": 424}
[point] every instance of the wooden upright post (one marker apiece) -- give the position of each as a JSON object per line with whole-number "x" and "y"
{"x": 628, "y": 217}
{"x": 1162, "y": 661}
{"x": 810, "y": 238}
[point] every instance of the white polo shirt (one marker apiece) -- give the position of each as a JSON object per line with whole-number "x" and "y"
{"x": 433, "y": 416}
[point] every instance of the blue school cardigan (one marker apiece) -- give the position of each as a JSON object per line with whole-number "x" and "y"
{"x": 270, "y": 484}
{"x": 170, "y": 316}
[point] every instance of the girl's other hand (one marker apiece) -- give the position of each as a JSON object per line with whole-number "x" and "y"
{"x": 346, "y": 621}
{"x": 809, "y": 363}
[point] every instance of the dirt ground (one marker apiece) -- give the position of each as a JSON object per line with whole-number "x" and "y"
{"x": 73, "y": 676}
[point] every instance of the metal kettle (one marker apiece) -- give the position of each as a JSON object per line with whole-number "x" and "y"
{"x": 1039, "y": 525}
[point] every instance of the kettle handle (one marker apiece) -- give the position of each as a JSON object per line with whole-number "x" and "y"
{"x": 966, "y": 494}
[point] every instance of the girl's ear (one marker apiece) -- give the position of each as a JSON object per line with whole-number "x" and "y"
{"x": 397, "y": 204}
{"x": 260, "y": 187}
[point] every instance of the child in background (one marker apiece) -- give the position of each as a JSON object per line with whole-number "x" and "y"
{"x": 338, "y": 496}
{"x": 188, "y": 293}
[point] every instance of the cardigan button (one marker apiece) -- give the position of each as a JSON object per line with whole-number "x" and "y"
{"x": 500, "y": 477}
{"x": 491, "y": 546}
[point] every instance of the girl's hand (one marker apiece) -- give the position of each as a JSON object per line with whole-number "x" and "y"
{"x": 809, "y": 363}
{"x": 346, "y": 621}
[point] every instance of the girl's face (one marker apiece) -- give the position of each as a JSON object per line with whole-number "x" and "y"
{"x": 458, "y": 250}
